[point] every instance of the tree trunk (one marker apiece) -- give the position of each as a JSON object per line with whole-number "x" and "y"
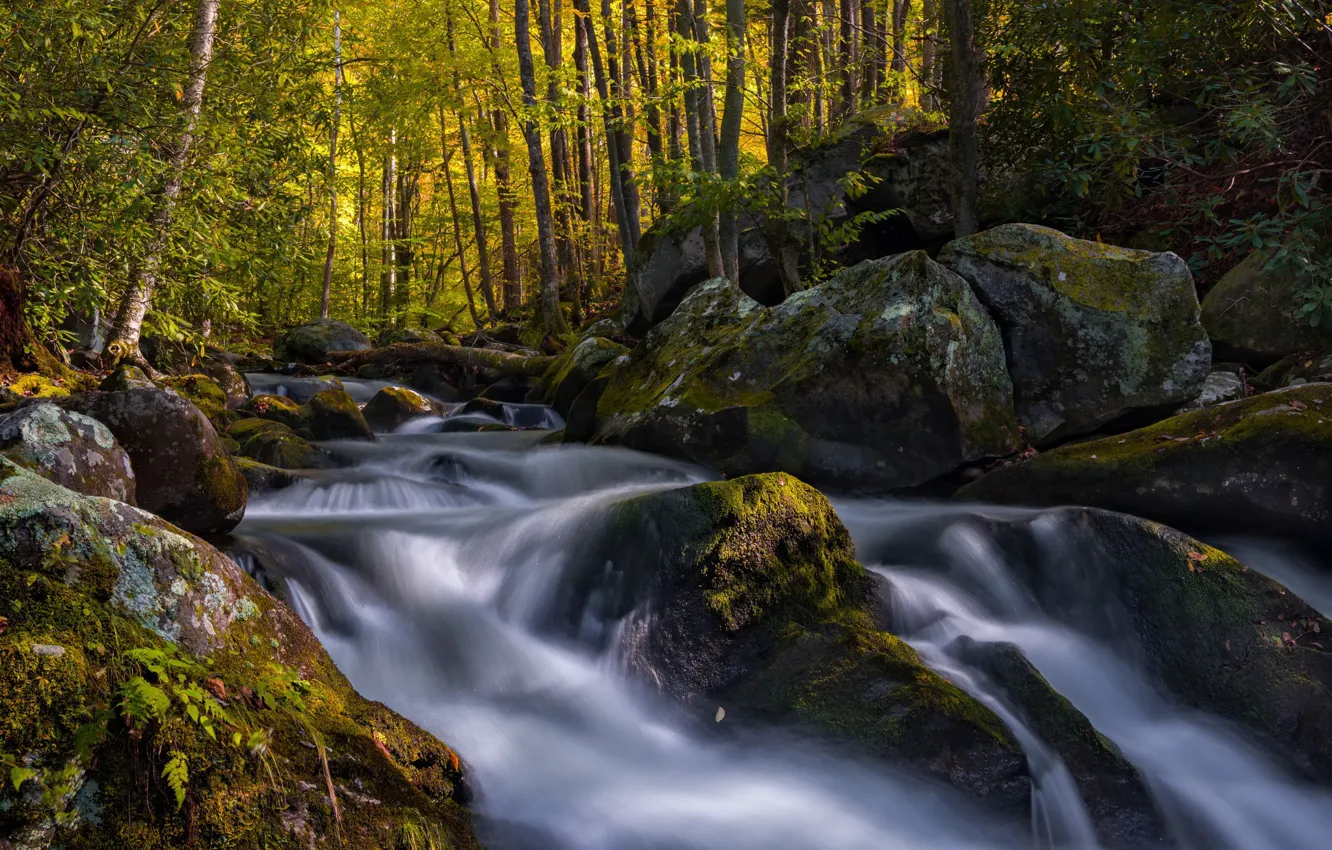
{"x": 624, "y": 225}
{"x": 361, "y": 210}
{"x": 551, "y": 317}
{"x": 929, "y": 51}
{"x": 901, "y": 11}
{"x": 728, "y": 156}
{"x": 849, "y": 55}
{"x": 333, "y": 166}
{"x": 134, "y": 306}
{"x": 707, "y": 133}
{"x": 403, "y": 245}
{"x": 474, "y": 193}
{"x": 778, "y": 234}
{"x": 447, "y": 156}
{"x": 586, "y": 186}
{"x": 513, "y": 284}
{"x": 869, "y": 53}
{"x": 963, "y": 110}
{"x": 388, "y": 269}
{"x": 618, "y": 73}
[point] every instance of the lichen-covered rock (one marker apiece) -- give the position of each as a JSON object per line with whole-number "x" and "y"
{"x": 1219, "y": 387}
{"x": 98, "y": 594}
{"x": 1093, "y": 333}
{"x": 278, "y": 408}
{"x": 392, "y": 406}
{"x": 126, "y": 376}
{"x": 1251, "y": 312}
{"x": 273, "y": 444}
{"x": 201, "y": 391}
{"x": 312, "y": 343}
{"x": 334, "y": 416}
{"x": 390, "y": 336}
{"x": 1262, "y": 465}
{"x": 70, "y": 449}
{"x": 571, "y": 372}
{"x": 888, "y": 375}
{"x": 182, "y": 470}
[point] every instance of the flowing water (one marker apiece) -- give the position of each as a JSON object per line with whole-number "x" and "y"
{"x": 442, "y": 570}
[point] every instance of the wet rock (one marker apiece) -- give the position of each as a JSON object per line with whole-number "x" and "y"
{"x": 73, "y": 450}
{"x": 887, "y": 376}
{"x": 274, "y": 444}
{"x": 571, "y": 372}
{"x": 1262, "y": 465}
{"x": 312, "y": 343}
{"x": 181, "y": 468}
{"x": 263, "y": 478}
{"x": 392, "y": 406}
{"x": 201, "y": 391}
{"x": 1251, "y": 312}
{"x": 1219, "y": 387}
{"x": 124, "y": 583}
{"x": 1093, "y": 333}
{"x": 299, "y": 390}
{"x": 231, "y": 379}
{"x": 278, "y": 408}
{"x": 334, "y": 416}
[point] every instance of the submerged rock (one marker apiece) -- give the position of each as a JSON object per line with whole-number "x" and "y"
{"x": 73, "y": 450}
{"x": 1251, "y": 312}
{"x": 887, "y": 376}
{"x": 1262, "y": 465}
{"x": 312, "y": 343}
{"x": 1093, "y": 333}
{"x": 181, "y": 468}
{"x": 127, "y": 604}
{"x": 334, "y": 416}
{"x": 392, "y": 406}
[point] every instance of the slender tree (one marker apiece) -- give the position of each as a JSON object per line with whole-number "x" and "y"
{"x": 134, "y": 306}
{"x": 552, "y": 319}
{"x": 963, "y": 110}
{"x": 333, "y": 166}
{"x": 728, "y": 153}
{"x": 513, "y": 286}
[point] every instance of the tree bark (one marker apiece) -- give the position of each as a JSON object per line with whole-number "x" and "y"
{"x": 552, "y": 318}
{"x": 134, "y": 306}
{"x": 587, "y": 196}
{"x": 360, "y": 209}
{"x": 624, "y": 225}
{"x": 388, "y": 271}
{"x": 898, "y": 66}
{"x": 963, "y": 110}
{"x": 473, "y": 192}
{"x": 707, "y": 132}
{"x": 447, "y": 156}
{"x": 333, "y": 166}
{"x": 929, "y": 51}
{"x": 617, "y": 70}
{"x": 513, "y": 285}
{"x": 728, "y": 155}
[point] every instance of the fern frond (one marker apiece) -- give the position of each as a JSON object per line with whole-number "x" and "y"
{"x": 177, "y": 775}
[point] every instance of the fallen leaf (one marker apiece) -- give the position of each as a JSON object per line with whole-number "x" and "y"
{"x": 4, "y": 624}
{"x": 216, "y": 687}
{"x": 1299, "y": 405}
{"x": 1197, "y": 556}
{"x": 721, "y": 714}
{"x": 1227, "y": 645}
{"x": 1286, "y": 638}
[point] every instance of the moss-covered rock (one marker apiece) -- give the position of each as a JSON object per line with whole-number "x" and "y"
{"x": 312, "y": 343}
{"x": 201, "y": 391}
{"x": 571, "y": 372}
{"x": 273, "y": 444}
{"x": 392, "y": 406}
{"x": 334, "y": 416}
{"x": 279, "y": 408}
{"x": 34, "y": 385}
{"x": 1250, "y": 312}
{"x": 126, "y": 376}
{"x": 231, "y": 379}
{"x": 888, "y": 375}
{"x": 96, "y": 591}
{"x": 68, "y": 448}
{"x": 1296, "y": 369}
{"x": 182, "y": 470}
{"x": 263, "y": 478}
{"x": 1093, "y": 333}
{"x": 1261, "y": 465}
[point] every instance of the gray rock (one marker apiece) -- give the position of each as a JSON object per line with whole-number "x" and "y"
{"x": 1093, "y": 333}
{"x": 70, "y": 449}
{"x": 1219, "y": 387}
{"x": 312, "y": 343}
{"x": 1251, "y": 312}
{"x": 888, "y": 375}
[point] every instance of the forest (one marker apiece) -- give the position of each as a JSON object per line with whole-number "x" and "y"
{"x": 655, "y": 425}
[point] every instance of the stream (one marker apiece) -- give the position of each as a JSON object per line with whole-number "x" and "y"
{"x": 434, "y": 565}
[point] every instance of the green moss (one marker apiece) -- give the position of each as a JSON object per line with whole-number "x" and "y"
{"x": 33, "y": 385}
{"x": 332, "y": 415}
{"x": 201, "y": 391}
{"x": 273, "y": 444}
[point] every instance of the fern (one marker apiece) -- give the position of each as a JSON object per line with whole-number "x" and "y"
{"x": 141, "y": 701}
{"x": 177, "y": 775}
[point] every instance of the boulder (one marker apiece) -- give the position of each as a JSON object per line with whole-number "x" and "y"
{"x": 1094, "y": 334}
{"x": 263, "y": 478}
{"x": 71, "y": 449}
{"x": 181, "y": 468}
{"x": 887, "y": 376}
{"x": 127, "y": 604}
{"x": 278, "y": 408}
{"x": 571, "y": 372}
{"x": 898, "y": 203}
{"x": 1250, "y": 313}
{"x": 1219, "y": 387}
{"x": 1296, "y": 369}
{"x": 232, "y": 380}
{"x": 126, "y": 376}
{"x": 273, "y": 444}
{"x": 312, "y": 343}
{"x": 201, "y": 391}
{"x": 1262, "y": 465}
{"x": 299, "y": 390}
{"x": 392, "y": 406}
{"x": 334, "y": 416}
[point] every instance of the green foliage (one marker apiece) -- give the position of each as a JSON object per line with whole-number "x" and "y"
{"x": 177, "y": 775}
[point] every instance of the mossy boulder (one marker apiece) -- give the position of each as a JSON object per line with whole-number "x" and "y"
{"x": 313, "y": 342}
{"x": 263, "y": 478}
{"x": 232, "y": 380}
{"x": 1261, "y": 465}
{"x": 1251, "y": 312}
{"x": 273, "y": 444}
{"x": 887, "y": 376}
{"x": 73, "y": 450}
{"x": 392, "y": 406}
{"x": 334, "y": 416}
{"x": 202, "y": 391}
{"x": 96, "y": 591}
{"x": 182, "y": 470}
{"x": 1093, "y": 333}
{"x": 1296, "y": 369}
{"x": 126, "y": 376}
{"x": 571, "y": 372}
{"x": 278, "y": 408}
